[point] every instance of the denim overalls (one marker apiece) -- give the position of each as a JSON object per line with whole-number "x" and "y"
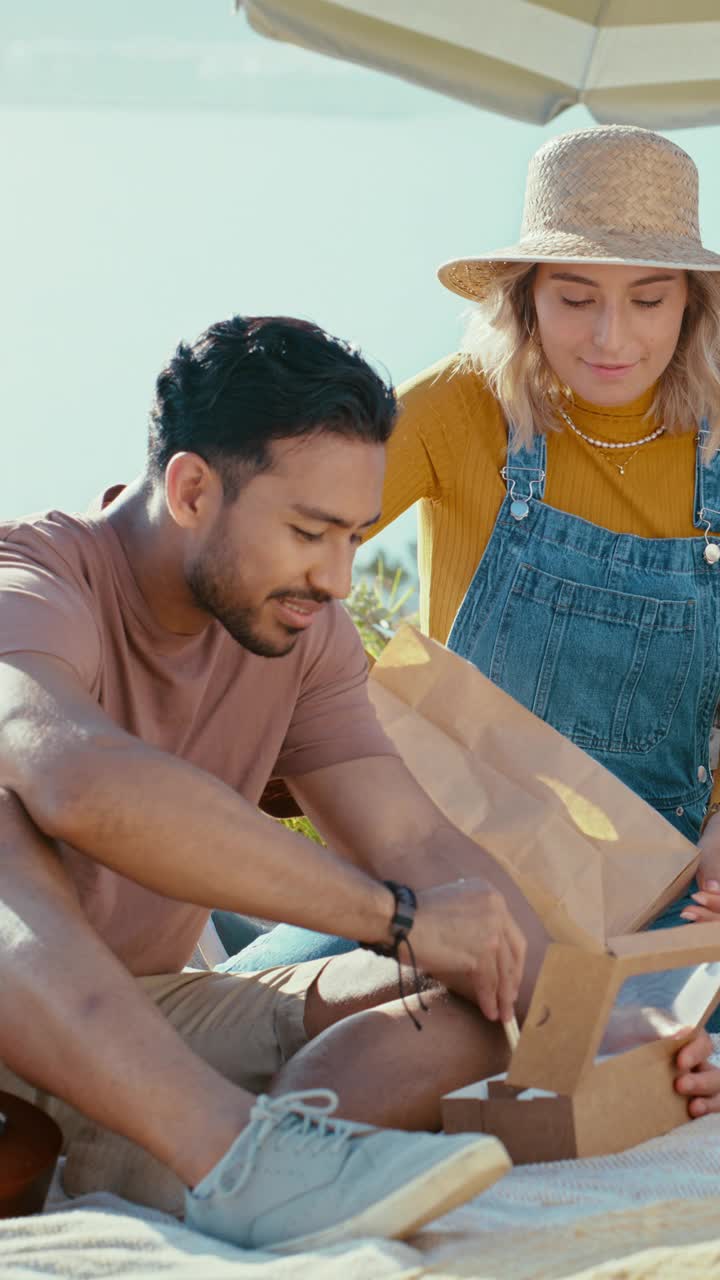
{"x": 611, "y": 638}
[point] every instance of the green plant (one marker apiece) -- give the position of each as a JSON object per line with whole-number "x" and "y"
{"x": 304, "y": 827}
{"x": 378, "y": 604}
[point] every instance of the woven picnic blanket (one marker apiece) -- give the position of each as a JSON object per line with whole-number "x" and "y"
{"x": 589, "y": 1218}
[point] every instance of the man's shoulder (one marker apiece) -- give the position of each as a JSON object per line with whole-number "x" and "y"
{"x": 329, "y": 653}
{"x": 52, "y": 527}
{"x": 332, "y": 720}
{"x": 48, "y": 571}
{"x": 53, "y": 538}
{"x": 332, "y": 637}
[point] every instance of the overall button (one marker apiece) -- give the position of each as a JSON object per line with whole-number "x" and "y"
{"x": 519, "y": 509}
{"x": 702, "y": 773}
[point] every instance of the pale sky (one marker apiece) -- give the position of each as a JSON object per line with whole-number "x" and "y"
{"x": 164, "y": 166}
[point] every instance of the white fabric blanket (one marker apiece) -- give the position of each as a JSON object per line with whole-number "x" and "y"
{"x": 553, "y": 1220}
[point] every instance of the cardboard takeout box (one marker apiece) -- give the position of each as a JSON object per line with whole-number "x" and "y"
{"x": 562, "y": 1096}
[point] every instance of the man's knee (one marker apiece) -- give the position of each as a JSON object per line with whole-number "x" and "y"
{"x": 357, "y": 981}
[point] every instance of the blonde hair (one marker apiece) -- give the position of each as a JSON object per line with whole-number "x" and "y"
{"x": 500, "y": 343}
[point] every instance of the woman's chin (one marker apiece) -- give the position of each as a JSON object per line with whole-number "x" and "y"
{"x": 609, "y": 392}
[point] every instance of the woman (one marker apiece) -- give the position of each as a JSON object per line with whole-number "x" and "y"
{"x": 572, "y": 557}
{"x": 568, "y": 472}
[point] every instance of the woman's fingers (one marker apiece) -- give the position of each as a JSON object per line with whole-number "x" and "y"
{"x": 703, "y": 1090}
{"x": 695, "y": 1053}
{"x": 697, "y": 1079}
{"x": 702, "y": 914}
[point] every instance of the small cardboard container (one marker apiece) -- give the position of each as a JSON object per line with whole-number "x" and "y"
{"x": 592, "y": 1103}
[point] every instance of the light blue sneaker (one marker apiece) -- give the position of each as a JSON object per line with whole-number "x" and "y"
{"x": 297, "y": 1179}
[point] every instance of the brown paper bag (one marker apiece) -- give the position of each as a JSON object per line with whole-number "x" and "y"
{"x": 593, "y": 859}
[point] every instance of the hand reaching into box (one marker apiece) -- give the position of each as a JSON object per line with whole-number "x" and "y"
{"x": 465, "y": 935}
{"x": 708, "y": 877}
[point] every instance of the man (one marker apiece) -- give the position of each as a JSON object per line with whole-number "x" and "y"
{"x": 159, "y": 659}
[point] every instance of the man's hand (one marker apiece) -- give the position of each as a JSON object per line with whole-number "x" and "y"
{"x": 473, "y": 922}
{"x": 696, "y": 1078}
{"x": 706, "y": 903}
{"x": 464, "y": 932}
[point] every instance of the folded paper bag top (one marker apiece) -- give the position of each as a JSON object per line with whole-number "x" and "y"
{"x": 593, "y": 859}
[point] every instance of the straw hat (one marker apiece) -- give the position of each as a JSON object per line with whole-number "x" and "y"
{"x": 614, "y": 194}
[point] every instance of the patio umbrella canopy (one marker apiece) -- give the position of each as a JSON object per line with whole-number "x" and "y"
{"x": 648, "y": 62}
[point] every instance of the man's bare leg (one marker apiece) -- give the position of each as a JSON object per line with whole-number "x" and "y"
{"x": 387, "y": 1073}
{"x": 74, "y": 1023}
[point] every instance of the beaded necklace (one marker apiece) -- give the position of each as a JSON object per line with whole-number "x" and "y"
{"x": 610, "y": 444}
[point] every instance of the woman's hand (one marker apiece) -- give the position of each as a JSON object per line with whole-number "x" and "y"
{"x": 706, "y": 902}
{"x": 696, "y": 1078}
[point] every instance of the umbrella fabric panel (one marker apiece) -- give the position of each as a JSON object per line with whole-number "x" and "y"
{"x": 651, "y": 62}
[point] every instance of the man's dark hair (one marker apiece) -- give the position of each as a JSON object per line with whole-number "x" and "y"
{"x": 250, "y": 380}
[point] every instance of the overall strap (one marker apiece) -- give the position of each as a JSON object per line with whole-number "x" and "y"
{"x": 525, "y": 470}
{"x": 707, "y": 483}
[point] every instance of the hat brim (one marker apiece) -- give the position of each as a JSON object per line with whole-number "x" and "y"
{"x": 472, "y": 277}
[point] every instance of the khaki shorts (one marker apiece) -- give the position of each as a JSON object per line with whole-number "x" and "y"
{"x": 246, "y": 1025}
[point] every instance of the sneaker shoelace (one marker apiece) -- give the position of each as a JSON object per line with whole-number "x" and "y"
{"x": 314, "y": 1107}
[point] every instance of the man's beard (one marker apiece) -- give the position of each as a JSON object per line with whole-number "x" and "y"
{"x": 207, "y": 582}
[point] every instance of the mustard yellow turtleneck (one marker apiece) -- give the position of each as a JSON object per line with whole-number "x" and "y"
{"x": 447, "y": 451}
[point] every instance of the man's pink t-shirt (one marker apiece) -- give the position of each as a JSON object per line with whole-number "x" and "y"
{"x": 67, "y": 590}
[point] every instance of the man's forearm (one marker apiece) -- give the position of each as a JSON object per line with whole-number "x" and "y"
{"x": 183, "y": 833}
{"x": 401, "y": 835}
{"x": 438, "y": 857}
